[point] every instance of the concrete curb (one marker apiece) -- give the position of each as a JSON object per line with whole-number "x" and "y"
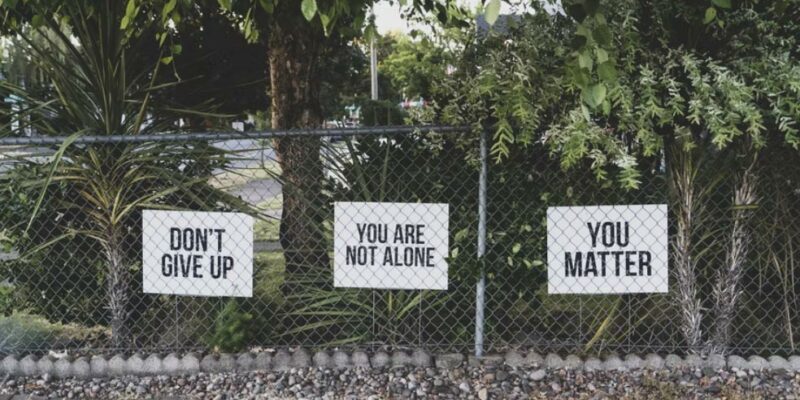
{"x": 283, "y": 360}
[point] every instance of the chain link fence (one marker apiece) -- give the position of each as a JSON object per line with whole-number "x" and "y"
{"x": 72, "y": 272}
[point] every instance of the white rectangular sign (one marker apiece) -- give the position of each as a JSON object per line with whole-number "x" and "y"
{"x": 607, "y": 249}
{"x": 390, "y": 245}
{"x": 197, "y": 253}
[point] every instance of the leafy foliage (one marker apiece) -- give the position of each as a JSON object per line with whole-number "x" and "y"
{"x": 231, "y": 329}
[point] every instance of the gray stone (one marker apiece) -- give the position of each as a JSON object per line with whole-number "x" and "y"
{"x": 593, "y": 364}
{"x": 28, "y": 366}
{"x": 301, "y": 358}
{"x": 715, "y": 361}
{"x": 537, "y": 375}
{"x": 9, "y": 365}
{"x": 62, "y": 368}
{"x": 45, "y": 365}
{"x": 794, "y": 361}
{"x": 758, "y": 363}
{"x": 282, "y": 361}
{"x": 135, "y": 365}
{"x": 514, "y": 359}
{"x": 81, "y": 368}
{"x": 209, "y": 363}
{"x": 494, "y": 360}
{"x": 322, "y": 360}
{"x": 553, "y": 361}
{"x": 473, "y": 362}
{"x": 778, "y": 362}
{"x": 632, "y": 361}
{"x": 533, "y": 359}
{"x": 341, "y": 360}
{"x": 653, "y": 361}
{"x": 153, "y": 365}
{"x": 613, "y": 363}
{"x": 117, "y": 365}
{"x": 400, "y": 359}
{"x": 449, "y": 360}
{"x": 673, "y": 361}
{"x": 737, "y": 362}
{"x": 263, "y": 361}
{"x": 171, "y": 364}
{"x": 99, "y": 366}
{"x": 245, "y": 362}
{"x": 420, "y": 358}
{"x": 190, "y": 363}
{"x": 227, "y": 362}
{"x": 380, "y": 360}
{"x": 360, "y": 359}
{"x": 693, "y": 361}
{"x": 573, "y": 362}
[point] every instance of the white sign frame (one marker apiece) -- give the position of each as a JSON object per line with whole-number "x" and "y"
{"x": 351, "y": 225}
{"x": 230, "y": 251}
{"x": 575, "y": 232}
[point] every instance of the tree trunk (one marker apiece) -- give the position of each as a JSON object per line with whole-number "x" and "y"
{"x": 117, "y": 281}
{"x": 683, "y": 174}
{"x": 294, "y": 54}
{"x": 726, "y": 289}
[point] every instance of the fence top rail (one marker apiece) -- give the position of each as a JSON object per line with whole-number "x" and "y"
{"x": 228, "y": 135}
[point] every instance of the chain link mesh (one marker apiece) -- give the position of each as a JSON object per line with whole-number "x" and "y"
{"x": 71, "y": 273}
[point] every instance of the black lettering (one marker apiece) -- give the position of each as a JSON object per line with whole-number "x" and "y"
{"x": 591, "y": 266}
{"x": 419, "y": 239}
{"x": 593, "y": 232}
{"x": 629, "y": 263}
{"x": 620, "y": 243}
{"x": 617, "y": 255}
{"x": 166, "y": 265}
{"x": 603, "y": 255}
{"x": 608, "y": 234}
{"x": 174, "y": 238}
{"x": 227, "y": 265}
{"x": 196, "y": 265}
{"x": 361, "y": 229}
{"x": 219, "y": 233}
{"x": 572, "y": 267}
{"x": 644, "y": 262}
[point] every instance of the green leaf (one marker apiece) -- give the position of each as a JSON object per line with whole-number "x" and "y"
{"x": 585, "y": 60}
{"x": 711, "y": 13}
{"x": 168, "y": 9}
{"x": 267, "y": 5}
{"x": 607, "y": 72}
{"x": 602, "y": 35}
{"x": 492, "y": 11}
{"x": 595, "y": 95}
{"x": 37, "y": 21}
{"x": 225, "y": 4}
{"x": 309, "y": 9}
{"x": 602, "y": 56}
{"x": 176, "y": 49}
{"x": 166, "y": 60}
{"x": 722, "y": 3}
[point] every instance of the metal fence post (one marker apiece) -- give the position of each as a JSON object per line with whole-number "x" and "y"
{"x": 481, "y": 288}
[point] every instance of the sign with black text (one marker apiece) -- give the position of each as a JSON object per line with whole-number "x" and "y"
{"x": 197, "y": 253}
{"x": 390, "y": 245}
{"x": 607, "y": 249}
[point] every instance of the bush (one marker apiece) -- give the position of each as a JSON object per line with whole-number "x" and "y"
{"x": 231, "y": 329}
{"x": 22, "y": 332}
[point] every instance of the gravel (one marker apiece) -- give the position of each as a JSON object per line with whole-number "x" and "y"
{"x": 459, "y": 382}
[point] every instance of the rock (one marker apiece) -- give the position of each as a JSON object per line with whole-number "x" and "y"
{"x": 693, "y": 361}
{"x": 537, "y": 375}
{"x": 593, "y": 364}
{"x": 420, "y": 358}
{"x": 45, "y": 366}
{"x": 483, "y": 394}
{"x": 152, "y": 365}
{"x": 794, "y": 361}
{"x": 573, "y": 362}
{"x": 613, "y": 363}
{"x": 715, "y": 361}
{"x": 778, "y": 362}
{"x": 632, "y": 361}
{"x": 448, "y": 361}
{"x": 282, "y": 361}
{"x": 735, "y": 361}
{"x": 341, "y": 360}
{"x": 380, "y": 360}
{"x": 62, "y": 368}
{"x": 134, "y": 365}
{"x": 263, "y": 361}
{"x": 360, "y": 359}
{"x": 514, "y": 359}
{"x": 99, "y": 366}
{"x": 464, "y": 387}
{"x": 190, "y": 363}
{"x": 301, "y": 358}
{"x": 553, "y": 361}
{"x": 10, "y": 366}
{"x": 492, "y": 360}
{"x": 653, "y": 361}
{"x": 758, "y": 363}
{"x": 209, "y": 363}
{"x": 245, "y": 362}
{"x": 322, "y": 360}
{"x": 400, "y": 359}
{"x": 533, "y": 359}
{"x": 673, "y": 361}
{"x": 171, "y": 364}
{"x": 81, "y": 368}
